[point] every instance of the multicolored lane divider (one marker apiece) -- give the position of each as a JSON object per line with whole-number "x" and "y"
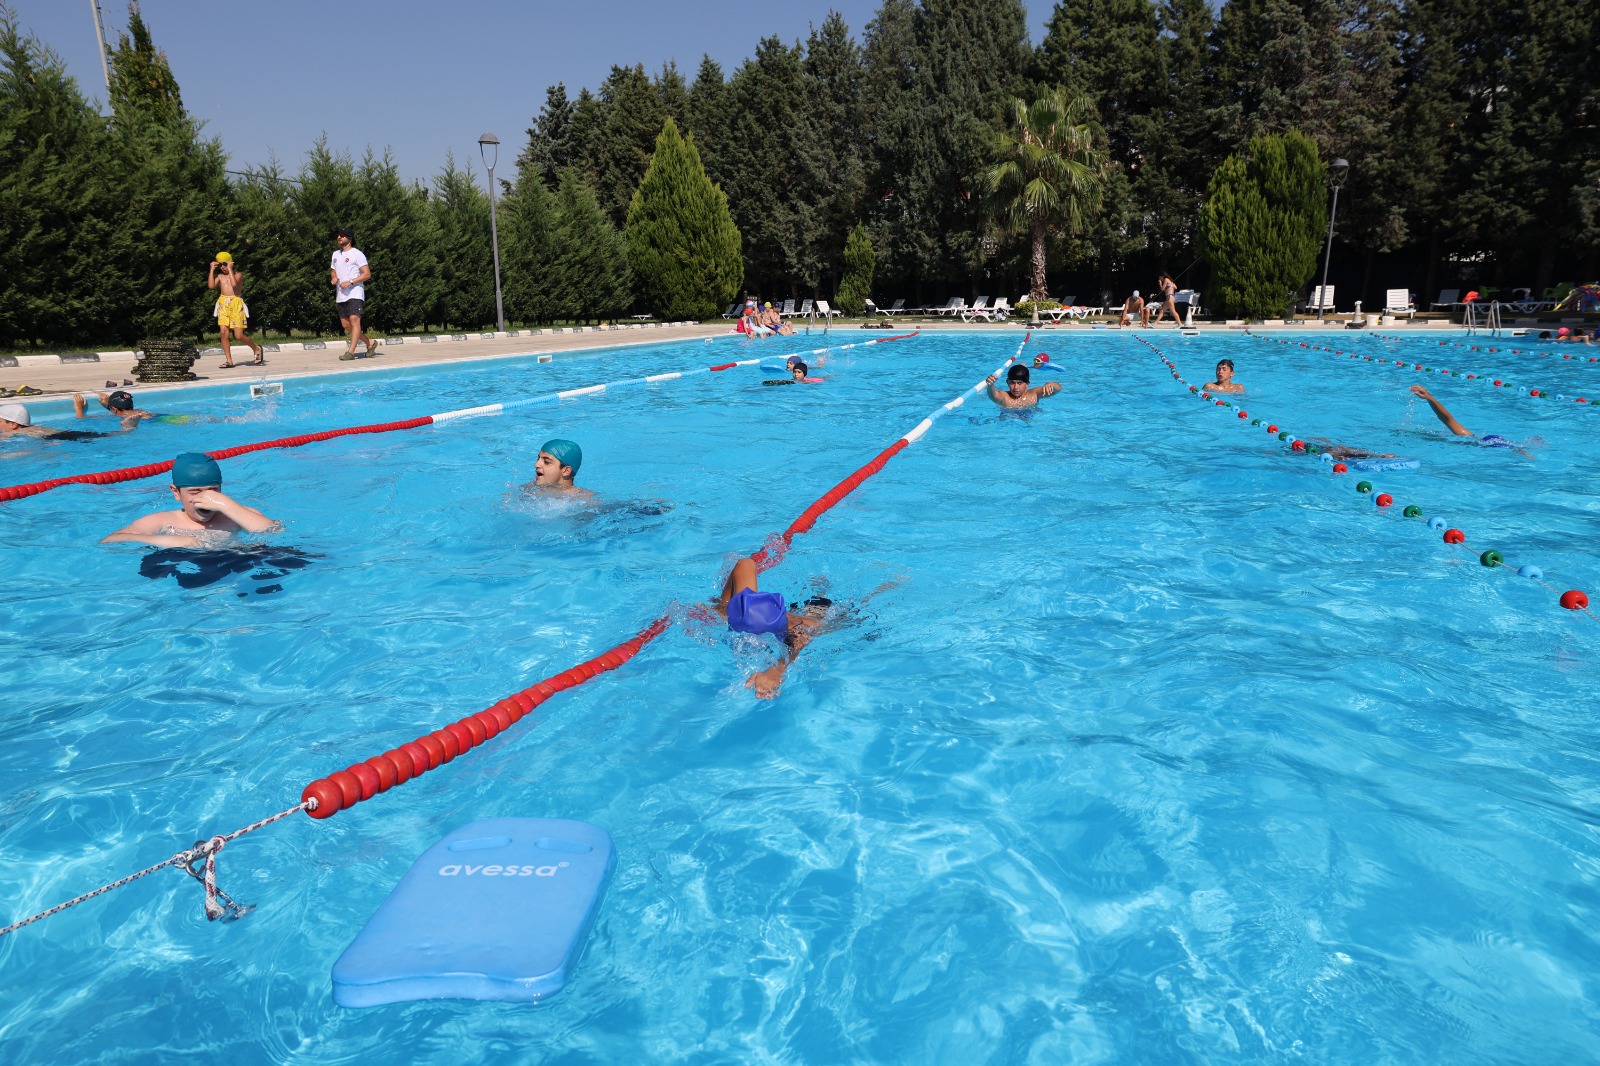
{"x": 135, "y": 473}
{"x": 1572, "y": 599}
{"x": 1405, "y": 365}
{"x": 371, "y": 777}
{"x": 1486, "y": 348}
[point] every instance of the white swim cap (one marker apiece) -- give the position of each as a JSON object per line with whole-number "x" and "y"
{"x": 15, "y": 412}
{"x": 1136, "y": 292}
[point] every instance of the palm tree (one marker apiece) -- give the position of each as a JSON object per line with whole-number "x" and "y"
{"x": 1050, "y": 171}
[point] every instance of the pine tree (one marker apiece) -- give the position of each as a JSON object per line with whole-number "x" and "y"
{"x": 705, "y": 116}
{"x": 832, "y": 78}
{"x": 683, "y": 247}
{"x": 549, "y": 148}
{"x": 591, "y": 258}
{"x": 326, "y": 196}
{"x": 855, "y": 288}
{"x": 633, "y": 113}
{"x": 1261, "y": 224}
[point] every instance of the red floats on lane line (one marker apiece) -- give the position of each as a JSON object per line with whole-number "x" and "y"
{"x": 1340, "y": 468}
{"x": 1383, "y": 499}
{"x": 1573, "y": 600}
{"x": 1454, "y": 536}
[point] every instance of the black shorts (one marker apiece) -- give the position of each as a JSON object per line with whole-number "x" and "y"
{"x": 351, "y": 307}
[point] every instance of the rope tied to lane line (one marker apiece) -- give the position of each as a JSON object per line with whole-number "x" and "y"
{"x": 361, "y": 781}
{"x": 136, "y": 473}
{"x": 228, "y": 909}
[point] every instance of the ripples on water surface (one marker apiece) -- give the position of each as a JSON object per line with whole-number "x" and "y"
{"x": 1163, "y": 746}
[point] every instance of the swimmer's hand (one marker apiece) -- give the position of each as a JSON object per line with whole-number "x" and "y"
{"x": 767, "y": 682}
{"x": 247, "y": 519}
{"x": 1420, "y": 391}
{"x": 991, "y": 379}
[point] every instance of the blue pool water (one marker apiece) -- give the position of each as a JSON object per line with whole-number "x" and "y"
{"x": 1161, "y": 745}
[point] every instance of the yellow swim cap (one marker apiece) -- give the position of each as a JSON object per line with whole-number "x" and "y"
{"x": 224, "y": 257}
{"x": 769, "y": 305}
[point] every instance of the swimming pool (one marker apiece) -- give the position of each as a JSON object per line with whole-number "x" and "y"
{"x": 1164, "y": 744}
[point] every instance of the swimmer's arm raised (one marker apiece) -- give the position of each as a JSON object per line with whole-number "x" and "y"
{"x": 1049, "y": 388}
{"x": 1442, "y": 413}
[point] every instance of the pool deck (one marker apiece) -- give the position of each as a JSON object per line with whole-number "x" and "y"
{"x": 58, "y": 379}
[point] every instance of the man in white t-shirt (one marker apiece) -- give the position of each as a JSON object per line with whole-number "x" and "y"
{"x": 349, "y": 274}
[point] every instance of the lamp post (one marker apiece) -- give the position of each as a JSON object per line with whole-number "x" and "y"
{"x": 1338, "y": 171}
{"x": 494, "y": 230}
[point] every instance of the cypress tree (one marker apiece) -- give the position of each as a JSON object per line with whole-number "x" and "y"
{"x": 855, "y": 289}
{"x": 398, "y": 239}
{"x": 527, "y": 248}
{"x": 53, "y": 193}
{"x": 326, "y": 196}
{"x": 1261, "y": 224}
{"x": 461, "y": 213}
{"x": 591, "y": 258}
{"x": 172, "y": 208}
{"x": 268, "y": 253}
{"x": 683, "y": 247}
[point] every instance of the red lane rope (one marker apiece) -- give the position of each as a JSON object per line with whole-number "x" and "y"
{"x": 136, "y": 473}
{"x": 343, "y": 789}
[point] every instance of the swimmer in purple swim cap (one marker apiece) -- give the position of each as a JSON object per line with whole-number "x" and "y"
{"x": 749, "y": 610}
{"x": 1442, "y": 413}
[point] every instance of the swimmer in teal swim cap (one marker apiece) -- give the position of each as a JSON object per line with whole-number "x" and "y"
{"x": 206, "y": 516}
{"x": 558, "y": 464}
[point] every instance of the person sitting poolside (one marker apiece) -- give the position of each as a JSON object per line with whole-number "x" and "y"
{"x": 553, "y": 472}
{"x": 1442, "y": 413}
{"x": 119, "y": 403}
{"x": 206, "y": 516}
{"x": 1224, "y": 382}
{"x": 1018, "y": 393}
{"x": 773, "y": 320}
{"x": 749, "y": 610}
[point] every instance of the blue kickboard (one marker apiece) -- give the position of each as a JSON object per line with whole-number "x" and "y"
{"x": 498, "y": 909}
{"x": 1376, "y": 465}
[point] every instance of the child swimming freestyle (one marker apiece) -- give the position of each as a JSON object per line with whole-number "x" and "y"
{"x": 1490, "y": 440}
{"x": 749, "y": 610}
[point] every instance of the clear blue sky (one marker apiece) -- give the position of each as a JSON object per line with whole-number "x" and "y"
{"x": 421, "y": 77}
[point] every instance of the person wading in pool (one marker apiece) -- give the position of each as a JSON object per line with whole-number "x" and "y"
{"x": 749, "y": 610}
{"x": 205, "y": 516}
{"x": 1018, "y": 393}
{"x": 1224, "y": 382}
{"x": 555, "y": 469}
{"x": 797, "y": 375}
{"x": 1443, "y": 414}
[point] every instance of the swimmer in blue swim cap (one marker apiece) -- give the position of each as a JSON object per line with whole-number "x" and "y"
{"x": 1442, "y": 413}
{"x": 206, "y": 516}
{"x": 749, "y": 610}
{"x": 558, "y": 464}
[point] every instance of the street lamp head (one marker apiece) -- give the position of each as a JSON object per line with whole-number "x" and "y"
{"x": 483, "y": 149}
{"x": 1338, "y": 171}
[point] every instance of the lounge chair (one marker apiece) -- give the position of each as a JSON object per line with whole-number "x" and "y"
{"x": 979, "y": 308}
{"x": 1449, "y": 300}
{"x": 805, "y": 309}
{"x": 733, "y": 309}
{"x": 1399, "y": 302}
{"x": 1321, "y": 298}
{"x": 894, "y": 308}
{"x": 787, "y": 310}
{"x": 1000, "y": 311}
{"x": 956, "y": 305}
{"x": 1189, "y": 300}
{"x": 824, "y": 310}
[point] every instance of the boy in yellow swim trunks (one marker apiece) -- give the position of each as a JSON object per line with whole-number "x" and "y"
{"x": 231, "y": 311}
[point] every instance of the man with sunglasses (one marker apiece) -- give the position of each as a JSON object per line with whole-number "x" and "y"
{"x": 349, "y": 273}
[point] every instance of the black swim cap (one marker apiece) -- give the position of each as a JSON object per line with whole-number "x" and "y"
{"x": 1018, "y": 372}
{"x": 120, "y": 401}
{"x": 797, "y": 365}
